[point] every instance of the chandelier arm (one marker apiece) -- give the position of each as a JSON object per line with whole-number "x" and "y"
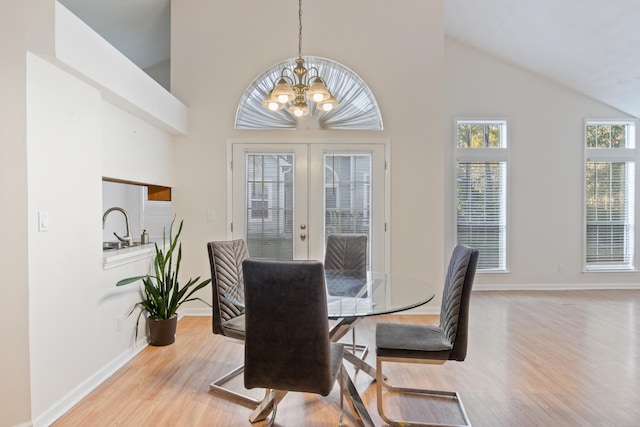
{"x": 315, "y": 75}
{"x": 289, "y": 79}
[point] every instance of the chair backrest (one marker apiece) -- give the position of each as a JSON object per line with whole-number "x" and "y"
{"x": 454, "y": 312}
{"x": 225, "y": 258}
{"x": 346, "y": 252}
{"x": 287, "y": 335}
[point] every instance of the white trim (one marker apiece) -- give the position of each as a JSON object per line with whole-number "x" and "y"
{"x": 196, "y": 311}
{"x": 555, "y": 286}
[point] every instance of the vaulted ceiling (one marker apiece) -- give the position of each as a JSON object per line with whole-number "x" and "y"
{"x": 590, "y": 46}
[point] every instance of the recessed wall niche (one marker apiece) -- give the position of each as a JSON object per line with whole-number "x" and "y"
{"x": 144, "y": 213}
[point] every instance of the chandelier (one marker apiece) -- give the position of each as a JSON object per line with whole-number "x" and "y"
{"x": 296, "y": 87}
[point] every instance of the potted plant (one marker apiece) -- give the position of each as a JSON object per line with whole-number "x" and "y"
{"x": 162, "y": 294}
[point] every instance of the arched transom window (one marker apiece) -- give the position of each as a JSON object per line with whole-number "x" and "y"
{"x": 358, "y": 109}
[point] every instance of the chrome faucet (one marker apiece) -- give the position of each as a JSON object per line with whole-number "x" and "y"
{"x": 126, "y": 239}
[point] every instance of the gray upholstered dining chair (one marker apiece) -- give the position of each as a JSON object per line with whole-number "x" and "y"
{"x": 287, "y": 345}
{"x": 406, "y": 343}
{"x": 346, "y": 252}
{"x": 225, "y": 259}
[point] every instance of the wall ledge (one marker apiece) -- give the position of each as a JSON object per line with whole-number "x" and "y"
{"x": 116, "y": 258}
{"x": 82, "y": 52}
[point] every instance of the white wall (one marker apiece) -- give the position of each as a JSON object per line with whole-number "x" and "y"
{"x": 74, "y": 305}
{"x": 15, "y": 407}
{"x": 134, "y": 149}
{"x": 213, "y": 61}
{"x": 65, "y": 333}
{"x": 546, "y": 167}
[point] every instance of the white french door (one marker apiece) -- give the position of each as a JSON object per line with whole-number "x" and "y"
{"x": 288, "y": 197}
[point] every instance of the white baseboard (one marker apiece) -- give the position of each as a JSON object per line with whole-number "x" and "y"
{"x": 555, "y": 286}
{"x": 204, "y": 311}
{"x": 86, "y": 387}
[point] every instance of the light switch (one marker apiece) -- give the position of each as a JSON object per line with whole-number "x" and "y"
{"x": 43, "y": 221}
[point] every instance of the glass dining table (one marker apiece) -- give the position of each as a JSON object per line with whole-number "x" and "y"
{"x": 351, "y": 296}
{"x": 360, "y": 294}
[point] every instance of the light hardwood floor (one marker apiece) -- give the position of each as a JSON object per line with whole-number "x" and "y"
{"x": 557, "y": 358}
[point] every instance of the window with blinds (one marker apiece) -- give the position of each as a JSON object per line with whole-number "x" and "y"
{"x": 609, "y": 196}
{"x": 156, "y": 217}
{"x": 269, "y": 212}
{"x": 347, "y": 194}
{"x": 481, "y": 190}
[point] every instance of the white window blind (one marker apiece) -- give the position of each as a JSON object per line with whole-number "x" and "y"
{"x": 347, "y": 194}
{"x": 609, "y": 196}
{"x": 269, "y": 212}
{"x": 481, "y": 191}
{"x": 157, "y": 217}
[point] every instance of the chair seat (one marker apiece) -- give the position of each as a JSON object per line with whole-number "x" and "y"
{"x": 235, "y": 327}
{"x": 413, "y": 341}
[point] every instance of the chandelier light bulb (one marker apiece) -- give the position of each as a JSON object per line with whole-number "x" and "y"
{"x": 329, "y": 104}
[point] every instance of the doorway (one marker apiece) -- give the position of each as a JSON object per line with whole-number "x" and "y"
{"x": 286, "y": 198}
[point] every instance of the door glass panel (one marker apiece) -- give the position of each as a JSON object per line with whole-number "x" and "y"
{"x": 269, "y": 205}
{"x": 347, "y": 195}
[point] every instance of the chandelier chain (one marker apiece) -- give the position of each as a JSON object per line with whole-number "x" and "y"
{"x": 299, "y": 28}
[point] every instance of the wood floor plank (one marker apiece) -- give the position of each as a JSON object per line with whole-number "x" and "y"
{"x": 547, "y": 358}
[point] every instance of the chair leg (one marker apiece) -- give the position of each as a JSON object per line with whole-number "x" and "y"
{"x": 274, "y": 411}
{"x": 358, "y": 408}
{"x": 267, "y": 405}
{"x": 218, "y": 387}
{"x": 355, "y": 348}
{"x": 340, "y": 383}
{"x": 381, "y": 384}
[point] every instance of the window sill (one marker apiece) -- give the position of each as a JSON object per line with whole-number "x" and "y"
{"x": 611, "y": 270}
{"x": 116, "y": 258}
{"x": 493, "y": 272}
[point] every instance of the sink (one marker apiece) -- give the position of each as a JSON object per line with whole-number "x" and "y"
{"x": 109, "y": 246}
